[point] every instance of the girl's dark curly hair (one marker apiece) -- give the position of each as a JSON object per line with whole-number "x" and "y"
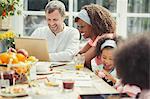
{"x": 101, "y": 19}
{"x": 132, "y": 61}
{"x": 100, "y": 42}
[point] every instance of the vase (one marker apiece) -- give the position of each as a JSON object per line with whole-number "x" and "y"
{"x": 3, "y": 47}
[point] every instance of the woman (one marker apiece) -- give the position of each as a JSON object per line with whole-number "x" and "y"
{"x": 94, "y": 22}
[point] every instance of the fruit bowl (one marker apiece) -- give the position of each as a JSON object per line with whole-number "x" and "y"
{"x": 20, "y": 62}
{"x": 24, "y": 71}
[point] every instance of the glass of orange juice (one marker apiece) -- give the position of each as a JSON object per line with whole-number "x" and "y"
{"x": 79, "y": 61}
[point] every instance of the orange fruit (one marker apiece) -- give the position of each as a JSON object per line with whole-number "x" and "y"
{"x": 13, "y": 57}
{"x": 24, "y": 69}
{"x": 4, "y": 57}
{"x": 15, "y": 60}
{"x": 21, "y": 57}
{"x": 18, "y": 70}
{"x": 1, "y": 62}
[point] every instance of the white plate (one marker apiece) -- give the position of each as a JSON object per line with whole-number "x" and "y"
{"x": 13, "y": 95}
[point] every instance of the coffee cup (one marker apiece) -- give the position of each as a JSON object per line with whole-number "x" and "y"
{"x": 42, "y": 68}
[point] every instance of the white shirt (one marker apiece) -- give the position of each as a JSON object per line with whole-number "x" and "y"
{"x": 62, "y": 46}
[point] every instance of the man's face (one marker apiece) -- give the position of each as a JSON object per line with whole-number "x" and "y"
{"x": 55, "y": 21}
{"x": 84, "y": 28}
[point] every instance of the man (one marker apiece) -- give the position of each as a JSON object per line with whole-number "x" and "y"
{"x": 63, "y": 41}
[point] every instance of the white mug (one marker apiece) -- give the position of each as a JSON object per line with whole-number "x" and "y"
{"x": 41, "y": 67}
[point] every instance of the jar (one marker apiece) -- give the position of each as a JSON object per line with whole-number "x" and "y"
{"x": 7, "y": 78}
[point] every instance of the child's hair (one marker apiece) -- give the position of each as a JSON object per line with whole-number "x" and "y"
{"x": 132, "y": 61}
{"x": 105, "y": 43}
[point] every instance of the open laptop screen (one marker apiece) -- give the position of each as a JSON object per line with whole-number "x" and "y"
{"x": 35, "y": 47}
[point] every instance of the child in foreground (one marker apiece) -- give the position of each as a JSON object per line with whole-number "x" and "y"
{"x": 132, "y": 61}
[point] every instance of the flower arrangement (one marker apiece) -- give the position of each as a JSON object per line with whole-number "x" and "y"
{"x": 7, "y": 40}
{"x": 7, "y": 35}
{"x": 8, "y": 8}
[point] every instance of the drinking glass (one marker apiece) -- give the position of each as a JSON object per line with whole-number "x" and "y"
{"x": 79, "y": 62}
{"x": 68, "y": 85}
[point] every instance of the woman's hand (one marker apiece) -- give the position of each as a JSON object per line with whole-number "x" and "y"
{"x": 109, "y": 35}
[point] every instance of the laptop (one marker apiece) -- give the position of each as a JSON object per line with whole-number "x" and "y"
{"x": 35, "y": 46}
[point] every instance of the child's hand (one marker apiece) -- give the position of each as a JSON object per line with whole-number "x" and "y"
{"x": 101, "y": 74}
{"x": 109, "y": 76}
{"x": 96, "y": 72}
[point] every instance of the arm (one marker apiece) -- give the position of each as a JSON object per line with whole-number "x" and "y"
{"x": 85, "y": 48}
{"x": 90, "y": 50}
{"x": 88, "y": 46}
{"x": 89, "y": 55}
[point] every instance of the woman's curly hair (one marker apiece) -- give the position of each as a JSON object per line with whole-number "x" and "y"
{"x": 101, "y": 19}
{"x": 132, "y": 61}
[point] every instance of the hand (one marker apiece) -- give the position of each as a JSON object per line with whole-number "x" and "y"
{"x": 101, "y": 74}
{"x": 109, "y": 76}
{"x": 96, "y": 72}
{"x": 109, "y": 35}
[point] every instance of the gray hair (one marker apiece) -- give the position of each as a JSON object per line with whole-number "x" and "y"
{"x": 55, "y": 5}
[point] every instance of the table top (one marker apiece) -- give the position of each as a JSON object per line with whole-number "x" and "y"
{"x": 86, "y": 82}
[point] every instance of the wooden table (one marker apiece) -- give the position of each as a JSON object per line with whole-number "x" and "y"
{"x": 97, "y": 86}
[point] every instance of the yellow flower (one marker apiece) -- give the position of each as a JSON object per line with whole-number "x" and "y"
{"x": 7, "y": 35}
{"x": 1, "y": 36}
{"x": 7, "y": 40}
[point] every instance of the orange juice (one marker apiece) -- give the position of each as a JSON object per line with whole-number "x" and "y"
{"x": 79, "y": 66}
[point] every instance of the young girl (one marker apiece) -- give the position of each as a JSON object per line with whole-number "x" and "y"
{"x": 106, "y": 70}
